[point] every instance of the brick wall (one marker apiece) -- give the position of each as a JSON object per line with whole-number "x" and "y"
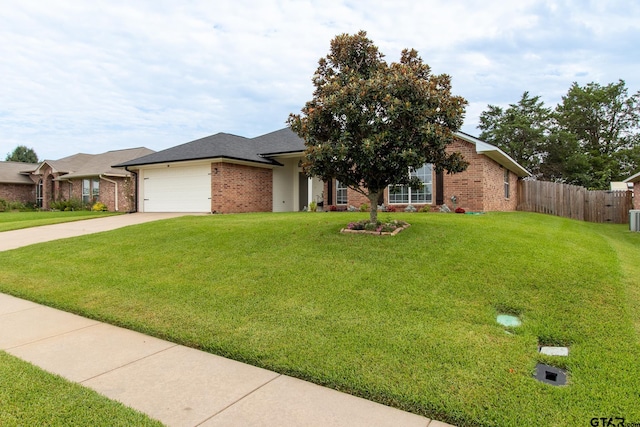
{"x": 239, "y": 188}
{"x": 108, "y": 193}
{"x": 636, "y": 195}
{"x": 24, "y": 193}
{"x": 479, "y": 188}
{"x": 494, "y": 191}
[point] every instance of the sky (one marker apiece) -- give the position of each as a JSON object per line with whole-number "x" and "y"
{"x": 94, "y": 76}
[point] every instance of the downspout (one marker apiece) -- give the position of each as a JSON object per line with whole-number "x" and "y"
{"x": 114, "y": 183}
{"x": 135, "y": 189}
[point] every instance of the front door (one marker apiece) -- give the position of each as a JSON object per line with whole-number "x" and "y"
{"x": 303, "y": 193}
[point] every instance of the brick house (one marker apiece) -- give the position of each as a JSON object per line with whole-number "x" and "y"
{"x": 227, "y": 173}
{"x": 86, "y": 178}
{"x": 16, "y": 184}
{"x": 635, "y": 179}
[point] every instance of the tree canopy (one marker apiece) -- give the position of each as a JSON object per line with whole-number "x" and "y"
{"x": 370, "y": 123}
{"x": 590, "y": 139}
{"x": 522, "y": 130}
{"x": 22, "y": 154}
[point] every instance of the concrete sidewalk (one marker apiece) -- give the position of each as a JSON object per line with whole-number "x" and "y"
{"x": 176, "y": 385}
{"x": 28, "y": 236}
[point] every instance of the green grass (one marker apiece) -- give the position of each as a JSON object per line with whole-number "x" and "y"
{"x": 408, "y": 320}
{"x": 32, "y": 397}
{"x": 18, "y": 220}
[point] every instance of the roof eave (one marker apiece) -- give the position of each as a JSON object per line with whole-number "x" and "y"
{"x": 496, "y": 154}
{"x": 633, "y": 178}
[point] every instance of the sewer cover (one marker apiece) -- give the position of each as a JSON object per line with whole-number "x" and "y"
{"x": 554, "y": 351}
{"x": 508, "y": 320}
{"x": 550, "y": 374}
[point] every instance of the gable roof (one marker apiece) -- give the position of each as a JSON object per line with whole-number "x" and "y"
{"x": 16, "y": 172}
{"x": 495, "y": 154}
{"x": 101, "y": 164}
{"x": 63, "y": 165}
{"x": 284, "y": 141}
{"x": 85, "y": 165}
{"x": 633, "y": 178}
{"x": 220, "y": 145}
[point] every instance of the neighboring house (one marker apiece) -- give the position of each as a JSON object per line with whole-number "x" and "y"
{"x": 635, "y": 180}
{"x": 84, "y": 177}
{"x": 227, "y": 173}
{"x": 15, "y": 182}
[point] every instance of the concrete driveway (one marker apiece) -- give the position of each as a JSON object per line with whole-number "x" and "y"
{"x": 28, "y": 236}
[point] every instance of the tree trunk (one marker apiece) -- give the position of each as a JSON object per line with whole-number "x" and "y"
{"x": 373, "y": 211}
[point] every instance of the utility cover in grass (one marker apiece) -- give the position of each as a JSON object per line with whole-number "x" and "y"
{"x": 508, "y": 320}
{"x": 554, "y": 351}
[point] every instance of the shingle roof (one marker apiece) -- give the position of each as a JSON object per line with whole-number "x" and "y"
{"x": 220, "y": 145}
{"x": 101, "y": 164}
{"x": 16, "y": 172}
{"x": 283, "y": 141}
{"x": 279, "y": 142}
{"x": 65, "y": 164}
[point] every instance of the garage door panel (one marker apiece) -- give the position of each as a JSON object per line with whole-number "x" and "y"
{"x": 177, "y": 189}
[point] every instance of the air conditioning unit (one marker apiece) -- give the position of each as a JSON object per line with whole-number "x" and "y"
{"x": 634, "y": 220}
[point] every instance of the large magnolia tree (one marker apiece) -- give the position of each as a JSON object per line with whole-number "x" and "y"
{"x": 370, "y": 123}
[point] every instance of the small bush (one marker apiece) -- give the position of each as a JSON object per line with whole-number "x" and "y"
{"x": 390, "y": 208}
{"x": 99, "y": 207}
{"x": 410, "y": 208}
{"x": 313, "y": 206}
{"x": 364, "y": 207}
{"x": 460, "y": 210}
{"x": 7, "y": 206}
{"x": 333, "y": 208}
{"x": 67, "y": 205}
{"x": 425, "y": 208}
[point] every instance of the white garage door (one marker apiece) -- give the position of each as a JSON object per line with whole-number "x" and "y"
{"x": 177, "y": 189}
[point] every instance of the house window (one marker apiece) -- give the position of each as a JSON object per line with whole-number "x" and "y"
{"x": 39, "y": 192}
{"x": 506, "y": 183}
{"x": 341, "y": 193}
{"x": 86, "y": 191}
{"x": 95, "y": 189}
{"x": 403, "y": 194}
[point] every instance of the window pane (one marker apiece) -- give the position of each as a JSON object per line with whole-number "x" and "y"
{"x": 398, "y": 194}
{"x": 85, "y": 191}
{"x": 422, "y": 195}
{"x": 95, "y": 188}
{"x": 341, "y": 193}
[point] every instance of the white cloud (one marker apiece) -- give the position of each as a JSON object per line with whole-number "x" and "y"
{"x": 101, "y": 75}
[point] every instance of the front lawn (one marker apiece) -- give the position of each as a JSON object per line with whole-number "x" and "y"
{"x": 31, "y": 397}
{"x": 18, "y": 220}
{"x": 408, "y": 321}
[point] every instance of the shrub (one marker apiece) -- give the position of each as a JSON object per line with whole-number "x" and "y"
{"x": 67, "y": 205}
{"x": 364, "y": 207}
{"x": 425, "y": 208}
{"x": 333, "y": 208}
{"x": 390, "y": 208}
{"x": 460, "y": 210}
{"x": 99, "y": 207}
{"x": 6, "y": 205}
{"x": 313, "y": 206}
{"x": 410, "y": 208}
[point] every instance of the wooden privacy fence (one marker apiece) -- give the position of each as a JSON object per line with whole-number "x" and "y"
{"x": 572, "y": 201}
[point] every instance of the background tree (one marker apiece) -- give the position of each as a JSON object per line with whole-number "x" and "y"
{"x": 522, "y": 130}
{"x": 605, "y": 122}
{"x": 369, "y": 123}
{"x": 590, "y": 139}
{"x": 22, "y": 154}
